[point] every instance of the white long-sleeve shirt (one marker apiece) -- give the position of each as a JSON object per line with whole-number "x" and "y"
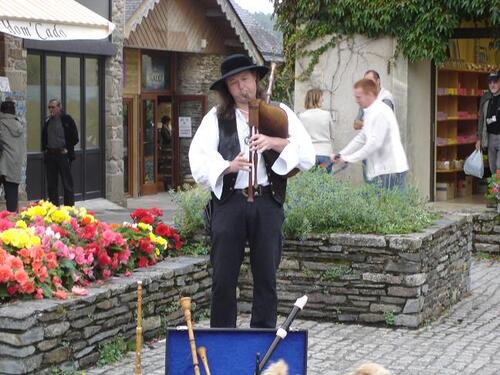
{"x": 378, "y": 142}
{"x": 319, "y": 125}
{"x": 208, "y": 165}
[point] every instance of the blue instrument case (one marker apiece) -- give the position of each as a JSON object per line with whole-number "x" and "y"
{"x": 233, "y": 351}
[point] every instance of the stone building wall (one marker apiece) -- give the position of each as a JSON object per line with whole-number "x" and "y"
{"x": 113, "y": 112}
{"x": 37, "y": 336}
{"x": 195, "y": 74}
{"x": 13, "y": 66}
{"x": 398, "y": 280}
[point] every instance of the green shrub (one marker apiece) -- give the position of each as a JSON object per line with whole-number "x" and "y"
{"x": 112, "y": 351}
{"x": 319, "y": 203}
{"x": 189, "y": 218}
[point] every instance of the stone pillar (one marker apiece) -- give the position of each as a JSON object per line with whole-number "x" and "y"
{"x": 13, "y": 66}
{"x": 113, "y": 110}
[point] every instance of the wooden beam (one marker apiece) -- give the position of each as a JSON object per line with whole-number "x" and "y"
{"x": 214, "y": 12}
{"x": 232, "y": 43}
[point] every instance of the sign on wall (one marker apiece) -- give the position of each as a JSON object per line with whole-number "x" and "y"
{"x": 185, "y": 130}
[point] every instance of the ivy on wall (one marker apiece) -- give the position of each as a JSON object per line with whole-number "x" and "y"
{"x": 422, "y": 27}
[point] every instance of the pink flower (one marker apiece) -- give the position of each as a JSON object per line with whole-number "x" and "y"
{"x": 106, "y": 274}
{"x": 127, "y": 273}
{"x": 61, "y": 294}
{"x": 79, "y": 291}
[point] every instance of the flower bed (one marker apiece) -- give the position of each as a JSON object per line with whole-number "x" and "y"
{"x": 48, "y": 251}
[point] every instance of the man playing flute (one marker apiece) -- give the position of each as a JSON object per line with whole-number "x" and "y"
{"x": 218, "y": 157}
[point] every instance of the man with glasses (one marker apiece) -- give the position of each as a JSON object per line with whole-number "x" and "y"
{"x": 59, "y": 137}
{"x": 488, "y": 130}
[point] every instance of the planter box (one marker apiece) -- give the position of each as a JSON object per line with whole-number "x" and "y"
{"x": 401, "y": 280}
{"x": 38, "y": 335}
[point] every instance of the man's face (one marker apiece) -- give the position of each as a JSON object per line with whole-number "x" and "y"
{"x": 54, "y": 108}
{"x": 363, "y": 99}
{"x": 371, "y": 77}
{"x": 494, "y": 86}
{"x": 242, "y": 86}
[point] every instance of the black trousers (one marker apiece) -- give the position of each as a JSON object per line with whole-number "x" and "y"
{"x": 58, "y": 164}
{"x": 11, "y": 194}
{"x": 235, "y": 222}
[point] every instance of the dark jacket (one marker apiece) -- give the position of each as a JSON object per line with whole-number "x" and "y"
{"x": 70, "y": 134}
{"x": 482, "y": 131}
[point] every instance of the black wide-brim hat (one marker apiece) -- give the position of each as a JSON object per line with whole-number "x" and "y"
{"x": 235, "y": 64}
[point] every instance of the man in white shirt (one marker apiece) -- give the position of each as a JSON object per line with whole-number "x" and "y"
{"x": 384, "y": 95}
{"x": 218, "y": 157}
{"x": 378, "y": 142}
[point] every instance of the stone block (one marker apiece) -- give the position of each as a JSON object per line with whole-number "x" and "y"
{"x": 413, "y": 306}
{"x": 487, "y": 238}
{"x": 47, "y": 344}
{"x": 89, "y": 360}
{"x": 20, "y": 366}
{"x": 382, "y": 278}
{"x": 357, "y": 240}
{"x": 403, "y": 292}
{"x": 90, "y": 331}
{"x": 402, "y": 267}
{"x": 57, "y": 329}
{"x": 18, "y": 323}
{"x": 103, "y": 335}
{"x": 58, "y": 355}
{"x": 151, "y": 323}
{"x": 21, "y": 339}
{"x": 378, "y": 307}
{"x": 371, "y": 318}
{"x": 415, "y": 280}
{"x": 409, "y": 243}
{"x": 21, "y": 352}
{"x": 487, "y": 247}
{"x": 84, "y": 352}
{"x": 331, "y": 249}
{"x": 410, "y": 321}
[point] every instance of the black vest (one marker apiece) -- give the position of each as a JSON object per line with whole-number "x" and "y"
{"x": 229, "y": 148}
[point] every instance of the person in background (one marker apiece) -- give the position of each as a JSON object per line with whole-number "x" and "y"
{"x": 382, "y": 94}
{"x": 488, "y": 129}
{"x": 378, "y": 141}
{"x": 319, "y": 125}
{"x": 59, "y": 137}
{"x": 13, "y": 146}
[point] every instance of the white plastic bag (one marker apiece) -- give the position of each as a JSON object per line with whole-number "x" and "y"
{"x": 474, "y": 164}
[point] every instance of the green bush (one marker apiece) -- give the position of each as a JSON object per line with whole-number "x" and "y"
{"x": 189, "y": 218}
{"x": 319, "y": 203}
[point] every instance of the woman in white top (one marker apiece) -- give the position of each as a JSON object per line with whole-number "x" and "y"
{"x": 319, "y": 125}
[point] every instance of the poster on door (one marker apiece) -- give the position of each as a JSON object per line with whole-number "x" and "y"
{"x": 185, "y": 130}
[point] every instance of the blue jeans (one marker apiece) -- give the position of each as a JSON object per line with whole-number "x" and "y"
{"x": 325, "y": 162}
{"x": 390, "y": 181}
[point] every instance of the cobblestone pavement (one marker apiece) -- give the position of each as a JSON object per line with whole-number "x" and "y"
{"x": 464, "y": 341}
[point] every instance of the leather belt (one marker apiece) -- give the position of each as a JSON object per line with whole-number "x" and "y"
{"x": 259, "y": 190}
{"x": 57, "y": 151}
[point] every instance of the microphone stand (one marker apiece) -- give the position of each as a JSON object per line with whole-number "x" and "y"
{"x": 282, "y": 332}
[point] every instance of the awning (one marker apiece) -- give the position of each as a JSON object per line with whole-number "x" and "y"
{"x": 52, "y": 20}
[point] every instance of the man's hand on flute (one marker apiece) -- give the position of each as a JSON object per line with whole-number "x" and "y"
{"x": 260, "y": 142}
{"x": 239, "y": 163}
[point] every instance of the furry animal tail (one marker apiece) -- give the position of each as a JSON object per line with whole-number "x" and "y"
{"x": 277, "y": 368}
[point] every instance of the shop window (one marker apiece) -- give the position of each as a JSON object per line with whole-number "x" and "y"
{"x": 91, "y": 103}
{"x": 53, "y": 77}
{"x": 155, "y": 71}
{"x": 73, "y": 89}
{"x": 33, "y": 105}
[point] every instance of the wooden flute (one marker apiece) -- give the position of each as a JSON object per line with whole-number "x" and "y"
{"x": 186, "y": 308}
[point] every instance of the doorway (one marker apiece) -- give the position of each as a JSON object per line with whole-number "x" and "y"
{"x": 158, "y": 145}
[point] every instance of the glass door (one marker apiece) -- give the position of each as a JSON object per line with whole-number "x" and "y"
{"x": 127, "y": 149}
{"x": 148, "y": 142}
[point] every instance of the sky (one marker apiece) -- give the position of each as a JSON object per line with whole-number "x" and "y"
{"x": 264, "y": 6}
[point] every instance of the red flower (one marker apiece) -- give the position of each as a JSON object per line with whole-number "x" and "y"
{"x": 146, "y": 246}
{"x": 104, "y": 259}
{"x": 5, "y": 273}
{"x": 12, "y": 290}
{"x": 156, "y": 212}
{"x": 163, "y": 230}
{"x": 148, "y": 219}
{"x": 142, "y": 262}
{"x": 106, "y": 274}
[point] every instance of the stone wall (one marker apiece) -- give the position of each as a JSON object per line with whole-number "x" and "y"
{"x": 487, "y": 232}
{"x": 13, "y": 66}
{"x": 37, "y": 336}
{"x": 195, "y": 74}
{"x": 398, "y": 280}
{"x": 113, "y": 112}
